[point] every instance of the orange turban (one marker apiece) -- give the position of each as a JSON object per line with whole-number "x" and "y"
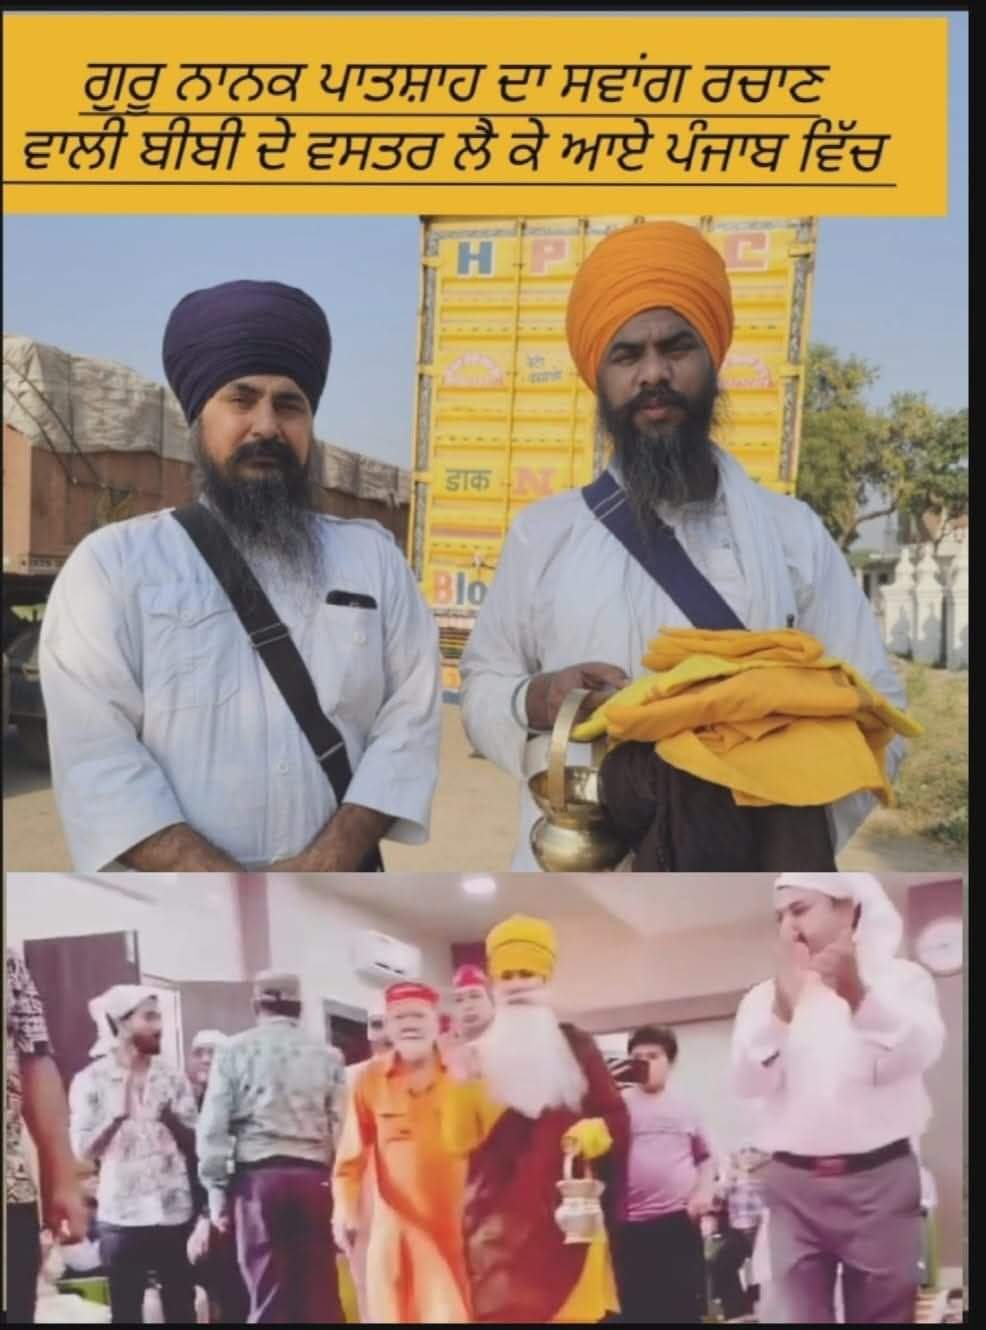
{"x": 654, "y": 265}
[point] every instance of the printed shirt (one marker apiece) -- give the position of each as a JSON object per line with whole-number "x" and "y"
{"x": 159, "y": 706}
{"x": 143, "y": 1174}
{"x": 274, "y": 1090}
{"x": 27, "y": 1036}
{"x": 744, "y": 1202}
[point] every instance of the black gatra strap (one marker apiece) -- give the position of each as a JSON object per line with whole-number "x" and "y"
{"x": 276, "y": 648}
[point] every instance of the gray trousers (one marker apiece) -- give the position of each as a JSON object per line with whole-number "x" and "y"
{"x": 869, "y": 1223}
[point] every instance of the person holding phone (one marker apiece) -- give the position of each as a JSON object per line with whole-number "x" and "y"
{"x": 669, "y": 1185}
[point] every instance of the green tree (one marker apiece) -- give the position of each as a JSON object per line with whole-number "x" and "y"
{"x": 840, "y": 440}
{"x": 910, "y": 460}
{"x": 926, "y": 473}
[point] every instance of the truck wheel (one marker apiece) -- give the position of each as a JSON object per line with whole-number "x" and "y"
{"x": 32, "y": 733}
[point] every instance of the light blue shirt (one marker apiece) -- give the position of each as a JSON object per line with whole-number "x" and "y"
{"x": 161, "y": 711}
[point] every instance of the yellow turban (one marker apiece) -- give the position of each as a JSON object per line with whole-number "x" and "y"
{"x": 521, "y": 943}
{"x": 654, "y": 265}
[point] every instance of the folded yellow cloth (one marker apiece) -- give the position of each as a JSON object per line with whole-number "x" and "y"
{"x": 787, "y": 645}
{"x": 767, "y": 715}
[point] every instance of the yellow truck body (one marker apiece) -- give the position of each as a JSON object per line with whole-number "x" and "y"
{"x": 502, "y": 418}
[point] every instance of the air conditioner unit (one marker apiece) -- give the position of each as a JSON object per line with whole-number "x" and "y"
{"x": 385, "y": 960}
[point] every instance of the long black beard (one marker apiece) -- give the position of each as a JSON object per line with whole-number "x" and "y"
{"x": 270, "y": 517}
{"x": 667, "y": 464}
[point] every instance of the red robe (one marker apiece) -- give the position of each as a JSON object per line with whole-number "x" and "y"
{"x": 520, "y": 1268}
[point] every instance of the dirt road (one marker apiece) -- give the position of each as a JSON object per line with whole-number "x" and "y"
{"x": 473, "y": 822}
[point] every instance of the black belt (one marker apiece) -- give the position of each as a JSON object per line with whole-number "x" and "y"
{"x": 282, "y": 1161}
{"x": 835, "y": 1166}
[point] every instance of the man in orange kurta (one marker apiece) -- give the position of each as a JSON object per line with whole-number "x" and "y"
{"x": 380, "y": 1046}
{"x": 415, "y": 1262}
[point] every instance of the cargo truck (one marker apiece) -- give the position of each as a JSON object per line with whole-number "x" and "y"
{"x": 502, "y": 418}
{"x": 88, "y": 442}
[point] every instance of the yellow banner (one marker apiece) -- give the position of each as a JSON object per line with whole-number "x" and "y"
{"x": 439, "y": 114}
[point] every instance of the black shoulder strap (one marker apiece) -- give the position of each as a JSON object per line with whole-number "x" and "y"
{"x": 276, "y": 648}
{"x": 662, "y": 556}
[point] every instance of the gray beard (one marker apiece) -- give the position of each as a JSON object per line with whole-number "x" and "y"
{"x": 666, "y": 467}
{"x": 270, "y": 519}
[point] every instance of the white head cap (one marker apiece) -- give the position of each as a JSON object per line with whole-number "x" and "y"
{"x": 116, "y": 1003}
{"x": 880, "y": 928}
{"x": 209, "y": 1039}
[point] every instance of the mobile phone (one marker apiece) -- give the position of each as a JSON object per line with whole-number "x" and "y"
{"x": 631, "y": 1071}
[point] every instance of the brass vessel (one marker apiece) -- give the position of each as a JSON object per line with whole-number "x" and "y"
{"x": 574, "y": 833}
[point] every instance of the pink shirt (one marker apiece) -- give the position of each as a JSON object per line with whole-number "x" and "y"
{"x": 835, "y": 1082}
{"x": 667, "y": 1144}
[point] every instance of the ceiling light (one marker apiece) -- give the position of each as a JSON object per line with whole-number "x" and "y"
{"x": 478, "y": 886}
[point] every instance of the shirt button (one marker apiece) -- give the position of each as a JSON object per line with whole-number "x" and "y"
{"x": 282, "y": 768}
{"x": 359, "y": 639}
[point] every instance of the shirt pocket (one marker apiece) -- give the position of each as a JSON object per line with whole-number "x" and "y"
{"x": 393, "y": 1128}
{"x": 191, "y": 656}
{"x": 347, "y": 661}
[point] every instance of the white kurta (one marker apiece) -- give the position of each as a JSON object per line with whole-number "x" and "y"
{"x": 833, "y": 1082}
{"x": 567, "y": 592}
{"x": 161, "y": 711}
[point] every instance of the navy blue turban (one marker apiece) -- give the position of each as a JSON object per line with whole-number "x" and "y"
{"x": 223, "y": 332}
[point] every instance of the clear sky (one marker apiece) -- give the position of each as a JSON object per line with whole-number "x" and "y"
{"x": 894, "y": 291}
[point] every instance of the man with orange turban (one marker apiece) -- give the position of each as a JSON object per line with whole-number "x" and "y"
{"x": 673, "y": 534}
{"x": 526, "y": 1092}
{"x": 414, "y": 1263}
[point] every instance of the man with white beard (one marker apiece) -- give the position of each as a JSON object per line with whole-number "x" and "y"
{"x": 414, "y": 1269}
{"x": 835, "y": 1047}
{"x": 524, "y": 1094}
{"x": 380, "y": 1045}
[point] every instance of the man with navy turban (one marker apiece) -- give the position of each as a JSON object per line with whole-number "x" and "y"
{"x": 173, "y": 748}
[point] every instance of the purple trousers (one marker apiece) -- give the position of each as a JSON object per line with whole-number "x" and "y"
{"x": 869, "y": 1223}
{"x": 282, "y": 1213}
